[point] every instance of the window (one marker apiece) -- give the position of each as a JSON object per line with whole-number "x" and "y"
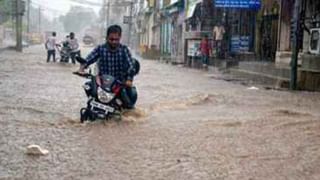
{"x": 314, "y": 40}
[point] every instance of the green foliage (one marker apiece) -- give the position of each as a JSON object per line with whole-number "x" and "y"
{"x": 5, "y": 10}
{"x": 78, "y": 18}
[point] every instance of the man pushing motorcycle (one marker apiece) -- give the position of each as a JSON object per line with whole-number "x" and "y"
{"x": 114, "y": 59}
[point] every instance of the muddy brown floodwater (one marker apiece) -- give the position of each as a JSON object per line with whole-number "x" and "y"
{"x": 187, "y": 125}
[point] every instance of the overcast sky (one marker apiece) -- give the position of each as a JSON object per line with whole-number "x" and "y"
{"x": 55, "y": 8}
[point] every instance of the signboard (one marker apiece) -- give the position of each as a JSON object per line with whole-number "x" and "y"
{"x": 191, "y": 7}
{"x": 235, "y": 44}
{"x": 240, "y": 44}
{"x": 244, "y": 43}
{"x": 151, "y": 3}
{"x": 193, "y": 47}
{"x": 174, "y": 1}
{"x": 243, "y": 4}
{"x": 173, "y": 10}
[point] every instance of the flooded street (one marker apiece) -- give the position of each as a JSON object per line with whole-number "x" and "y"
{"x": 187, "y": 125}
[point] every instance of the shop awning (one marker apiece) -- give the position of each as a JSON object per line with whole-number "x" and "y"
{"x": 147, "y": 10}
{"x": 191, "y": 7}
{"x": 241, "y": 4}
{"x": 173, "y": 2}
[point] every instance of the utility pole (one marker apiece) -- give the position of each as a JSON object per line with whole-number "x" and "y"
{"x": 108, "y": 14}
{"x": 39, "y": 19}
{"x": 295, "y": 44}
{"x": 18, "y": 14}
{"x": 28, "y": 21}
{"x": 103, "y": 19}
{"x": 105, "y": 13}
{"x": 28, "y": 18}
{"x": 130, "y": 23}
{"x": 227, "y": 38}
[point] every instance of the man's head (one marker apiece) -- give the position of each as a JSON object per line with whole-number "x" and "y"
{"x": 71, "y": 35}
{"x": 54, "y": 34}
{"x": 114, "y": 36}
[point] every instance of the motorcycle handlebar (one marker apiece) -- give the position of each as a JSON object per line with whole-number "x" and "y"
{"x": 80, "y": 60}
{"x": 85, "y": 75}
{"x": 90, "y": 76}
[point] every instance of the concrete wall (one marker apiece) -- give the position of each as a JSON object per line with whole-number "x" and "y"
{"x": 283, "y": 54}
{"x": 284, "y": 37}
{"x": 286, "y": 8}
{"x": 149, "y": 29}
{"x": 156, "y": 37}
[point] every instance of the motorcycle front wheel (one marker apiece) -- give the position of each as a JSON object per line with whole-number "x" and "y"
{"x": 83, "y": 115}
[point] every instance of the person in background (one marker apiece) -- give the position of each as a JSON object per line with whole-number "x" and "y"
{"x": 205, "y": 49}
{"x": 75, "y": 48}
{"x": 218, "y": 33}
{"x": 65, "y": 50}
{"x": 50, "y": 46}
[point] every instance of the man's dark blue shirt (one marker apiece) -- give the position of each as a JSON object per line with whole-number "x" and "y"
{"x": 117, "y": 63}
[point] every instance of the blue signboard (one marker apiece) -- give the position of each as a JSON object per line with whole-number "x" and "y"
{"x": 243, "y": 4}
{"x": 240, "y": 44}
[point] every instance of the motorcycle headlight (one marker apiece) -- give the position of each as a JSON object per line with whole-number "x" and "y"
{"x": 104, "y": 96}
{"x": 86, "y": 87}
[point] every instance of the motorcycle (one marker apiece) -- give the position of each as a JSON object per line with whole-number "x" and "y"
{"x": 105, "y": 94}
{"x": 64, "y": 51}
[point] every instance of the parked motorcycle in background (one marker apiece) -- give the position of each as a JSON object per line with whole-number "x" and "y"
{"x": 64, "y": 52}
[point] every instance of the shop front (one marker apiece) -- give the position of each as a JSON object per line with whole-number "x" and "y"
{"x": 239, "y": 20}
{"x": 199, "y": 20}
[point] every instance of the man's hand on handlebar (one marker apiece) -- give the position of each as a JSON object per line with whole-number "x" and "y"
{"x": 81, "y": 69}
{"x": 129, "y": 83}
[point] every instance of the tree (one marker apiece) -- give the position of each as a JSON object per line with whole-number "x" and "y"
{"x": 5, "y": 10}
{"x": 78, "y": 18}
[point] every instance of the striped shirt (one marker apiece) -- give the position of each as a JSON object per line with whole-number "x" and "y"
{"x": 117, "y": 63}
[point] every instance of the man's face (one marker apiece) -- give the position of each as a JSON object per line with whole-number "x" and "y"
{"x": 114, "y": 40}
